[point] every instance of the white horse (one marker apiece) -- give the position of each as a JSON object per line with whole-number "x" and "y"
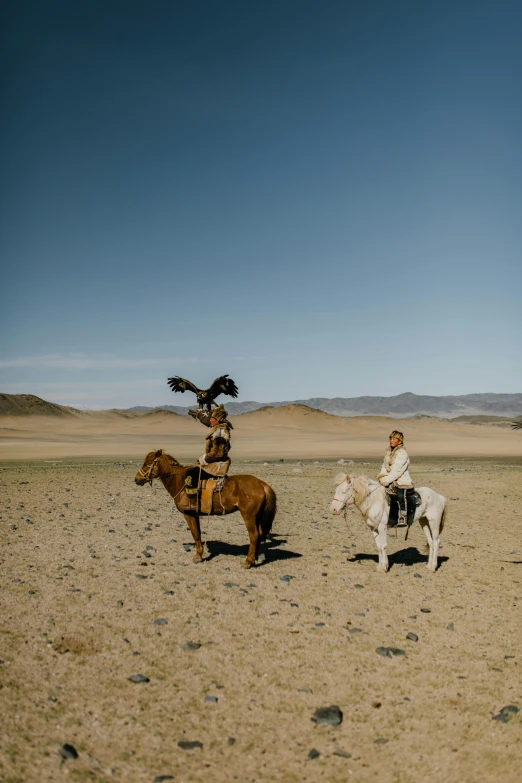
{"x": 372, "y": 501}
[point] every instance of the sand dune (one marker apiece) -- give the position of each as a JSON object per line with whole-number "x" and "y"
{"x": 291, "y": 432}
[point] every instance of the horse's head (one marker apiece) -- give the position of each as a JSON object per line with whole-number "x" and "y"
{"x": 150, "y": 468}
{"x": 344, "y": 495}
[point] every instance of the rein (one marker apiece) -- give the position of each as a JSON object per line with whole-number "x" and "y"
{"x": 147, "y": 475}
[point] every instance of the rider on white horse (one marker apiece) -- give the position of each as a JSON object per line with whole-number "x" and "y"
{"x": 395, "y": 476}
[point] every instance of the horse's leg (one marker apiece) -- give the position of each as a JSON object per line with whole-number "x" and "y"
{"x": 379, "y": 535}
{"x": 431, "y": 529}
{"x": 193, "y": 523}
{"x": 253, "y": 534}
{"x": 433, "y": 559}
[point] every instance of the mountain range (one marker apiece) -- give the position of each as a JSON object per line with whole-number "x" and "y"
{"x": 400, "y": 406}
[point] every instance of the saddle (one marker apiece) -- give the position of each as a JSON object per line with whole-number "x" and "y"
{"x": 201, "y": 486}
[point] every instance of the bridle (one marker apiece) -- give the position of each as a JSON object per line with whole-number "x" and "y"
{"x": 147, "y": 475}
{"x": 347, "y": 501}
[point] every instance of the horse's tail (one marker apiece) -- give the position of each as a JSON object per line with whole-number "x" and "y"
{"x": 267, "y": 512}
{"x": 443, "y": 517}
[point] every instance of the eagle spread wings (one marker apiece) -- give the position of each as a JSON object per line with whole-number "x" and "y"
{"x": 222, "y": 385}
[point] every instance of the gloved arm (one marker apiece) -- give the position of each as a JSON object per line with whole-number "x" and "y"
{"x": 201, "y": 416}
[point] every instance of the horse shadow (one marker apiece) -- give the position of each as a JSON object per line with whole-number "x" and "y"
{"x": 269, "y": 548}
{"x": 408, "y": 557}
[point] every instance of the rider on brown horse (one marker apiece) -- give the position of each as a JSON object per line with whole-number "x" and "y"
{"x": 215, "y": 460}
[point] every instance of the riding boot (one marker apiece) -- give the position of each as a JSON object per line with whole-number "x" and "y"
{"x": 403, "y": 508}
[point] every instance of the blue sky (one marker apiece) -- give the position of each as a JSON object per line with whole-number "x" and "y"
{"x": 319, "y": 198}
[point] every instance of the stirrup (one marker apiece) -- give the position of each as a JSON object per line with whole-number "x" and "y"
{"x": 401, "y": 522}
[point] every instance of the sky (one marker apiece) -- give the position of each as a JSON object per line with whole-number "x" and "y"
{"x": 320, "y": 198}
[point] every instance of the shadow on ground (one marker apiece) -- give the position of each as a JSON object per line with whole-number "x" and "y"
{"x": 269, "y": 548}
{"x": 409, "y": 556}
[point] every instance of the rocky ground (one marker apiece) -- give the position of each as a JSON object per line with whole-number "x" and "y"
{"x": 98, "y": 586}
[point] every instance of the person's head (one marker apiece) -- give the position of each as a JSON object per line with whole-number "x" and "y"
{"x": 218, "y": 415}
{"x": 396, "y": 439}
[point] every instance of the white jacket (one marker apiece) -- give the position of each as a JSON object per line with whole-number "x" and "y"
{"x": 395, "y": 468}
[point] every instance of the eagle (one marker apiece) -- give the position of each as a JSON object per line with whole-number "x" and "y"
{"x": 516, "y": 425}
{"x": 222, "y": 385}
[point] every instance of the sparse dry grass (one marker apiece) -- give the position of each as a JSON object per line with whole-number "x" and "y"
{"x": 77, "y": 621}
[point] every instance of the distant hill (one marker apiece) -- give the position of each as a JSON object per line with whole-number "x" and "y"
{"x": 400, "y": 406}
{"x": 30, "y": 405}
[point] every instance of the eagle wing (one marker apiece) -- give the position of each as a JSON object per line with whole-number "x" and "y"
{"x": 178, "y": 384}
{"x": 223, "y": 385}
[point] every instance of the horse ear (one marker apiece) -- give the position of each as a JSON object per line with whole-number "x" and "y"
{"x": 158, "y": 453}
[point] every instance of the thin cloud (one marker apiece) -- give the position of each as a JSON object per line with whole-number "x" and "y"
{"x": 82, "y": 361}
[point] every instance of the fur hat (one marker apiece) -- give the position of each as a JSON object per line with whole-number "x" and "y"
{"x": 398, "y": 435}
{"x": 219, "y": 413}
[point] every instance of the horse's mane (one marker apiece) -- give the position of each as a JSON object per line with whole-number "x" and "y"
{"x": 362, "y": 486}
{"x": 339, "y": 479}
{"x": 173, "y": 462}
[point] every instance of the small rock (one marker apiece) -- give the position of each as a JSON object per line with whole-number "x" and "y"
{"x": 67, "y": 751}
{"x": 161, "y": 778}
{"x": 190, "y": 646}
{"x": 340, "y": 462}
{"x": 359, "y": 587}
{"x": 425, "y": 610}
{"x": 387, "y": 652}
{"x": 342, "y": 753}
{"x": 450, "y": 627}
{"x": 190, "y": 745}
{"x": 187, "y": 547}
{"x": 417, "y": 576}
{"x": 506, "y": 712}
{"x": 297, "y": 470}
{"x": 231, "y": 741}
{"x": 412, "y": 636}
{"x": 314, "y": 754}
{"x": 332, "y": 716}
{"x": 138, "y": 678}
{"x": 381, "y": 741}
{"x": 160, "y": 621}
{"x": 286, "y": 578}
{"x": 169, "y": 592}
{"x": 211, "y": 699}
{"x": 230, "y": 584}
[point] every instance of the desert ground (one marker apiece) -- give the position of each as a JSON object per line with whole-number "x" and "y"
{"x": 98, "y": 585}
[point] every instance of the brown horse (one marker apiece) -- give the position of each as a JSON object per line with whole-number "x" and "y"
{"x": 255, "y": 500}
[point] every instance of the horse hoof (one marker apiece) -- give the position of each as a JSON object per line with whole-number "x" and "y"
{"x": 198, "y": 559}
{"x": 246, "y": 564}
{"x": 431, "y": 569}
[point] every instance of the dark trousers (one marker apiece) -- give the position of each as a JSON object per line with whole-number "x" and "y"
{"x": 402, "y": 506}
